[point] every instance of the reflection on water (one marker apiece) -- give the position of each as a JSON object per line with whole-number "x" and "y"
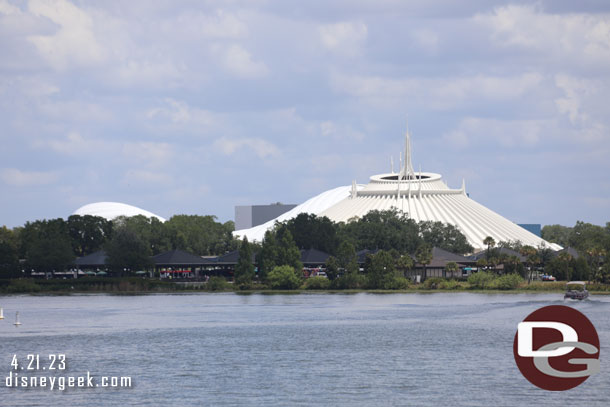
{"x": 308, "y": 349}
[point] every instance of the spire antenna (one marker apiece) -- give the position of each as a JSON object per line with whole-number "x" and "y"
{"x": 407, "y": 168}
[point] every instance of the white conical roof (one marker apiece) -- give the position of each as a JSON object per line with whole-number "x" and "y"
{"x": 425, "y": 197}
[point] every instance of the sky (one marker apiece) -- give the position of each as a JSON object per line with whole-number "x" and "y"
{"x": 194, "y": 107}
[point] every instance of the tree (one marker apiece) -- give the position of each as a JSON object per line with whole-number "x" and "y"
{"x": 490, "y": 243}
{"x": 126, "y": 251}
{"x": 557, "y": 234}
{"x": 284, "y": 278}
{"x": 9, "y": 258}
{"x": 531, "y": 255}
{"x": 423, "y": 255}
{"x": 200, "y": 234}
{"x": 451, "y": 268}
{"x": 380, "y": 270}
{"x": 310, "y": 231}
{"x": 345, "y": 254}
{"x": 244, "y": 270}
{"x": 47, "y": 245}
{"x": 288, "y": 253}
{"x": 481, "y": 263}
{"x": 565, "y": 260}
{"x": 332, "y": 268}
{"x": 404, "y": 263}
{"x": 267, "y": 257}
{"x": 88, "y": 233}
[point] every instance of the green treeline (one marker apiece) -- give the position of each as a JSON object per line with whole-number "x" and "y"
{"x": 48, "y": 245}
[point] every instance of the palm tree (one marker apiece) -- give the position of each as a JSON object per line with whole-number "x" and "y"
{"x": 531, "y": 257}
{"x": 423, "y": 255}
{"x": 489, "y": 242}
{"x": 565, "y": 259}
{"x": 451, "y": 267}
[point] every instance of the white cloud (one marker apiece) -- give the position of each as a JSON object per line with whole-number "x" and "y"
{"x": 262, "y": 148}
{"x": 134, "y": 178}
{"x": 74, "y": 42}
{"x": 149, "y": 153}
{"x": 437, "y": 93}
{"x": 74, "y": 144}
{"x": 345, "y": 38}
{"x": 339, "y": 131}
{"x": 239, "y": 62}
{"x": 506, "y": 133}
{"x": 8, "y": 9}
{"x": 178, "y": 111}
{"x": 571, "y": 38}
{"x": 19, "y": 178}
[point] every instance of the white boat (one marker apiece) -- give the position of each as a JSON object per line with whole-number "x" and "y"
{"x": 17, "y": 323}
{"x": 1, "y": 313}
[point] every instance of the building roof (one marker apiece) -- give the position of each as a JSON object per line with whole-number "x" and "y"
{"x": 313, "y": 257}
{"x": 94, "y": 259}
{"x": 112, "y": 210}
{"x": 422, "y": 196}
{"x": 500, "y": 250}
{"x": 177, "y": 258}
{"x": 441, "y": 257}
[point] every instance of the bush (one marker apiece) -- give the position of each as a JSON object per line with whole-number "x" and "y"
{"x": 432, "y": 283}
{"x": 23, "y": 286}
{"x": 317, "y": 283}
{"x": 482, "y": 279}
{"x": 449, "y": 285}
{"x": 508, "y": 282}
{"x": 350, "y": 281}
{"x": 217, "y": 284}
{"x": 397, "y": 283}
{"x": 284, "y": 278}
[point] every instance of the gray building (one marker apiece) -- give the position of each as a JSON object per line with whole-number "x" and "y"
{"x": 254, "y": 215}
{"x": 535, "y": 228}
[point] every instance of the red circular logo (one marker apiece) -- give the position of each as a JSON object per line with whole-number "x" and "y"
{"x": 556, "y": 348}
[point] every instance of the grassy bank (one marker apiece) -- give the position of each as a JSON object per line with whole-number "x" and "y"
{"x": 134, "y": 285}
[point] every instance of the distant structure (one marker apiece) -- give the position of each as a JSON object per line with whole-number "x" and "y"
{"x": 112, "y": 210}
{"x": 421, "y": 196}
{"x": 254, "y": 215}
{"x": 535, "y": 228}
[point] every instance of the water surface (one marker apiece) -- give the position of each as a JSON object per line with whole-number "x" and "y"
{"x": 278, "y": 350}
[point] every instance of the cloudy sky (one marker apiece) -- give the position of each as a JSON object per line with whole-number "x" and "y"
{"x": 197, "y": 106}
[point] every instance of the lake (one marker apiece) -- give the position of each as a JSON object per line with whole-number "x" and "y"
{"x": 283, "y": 350}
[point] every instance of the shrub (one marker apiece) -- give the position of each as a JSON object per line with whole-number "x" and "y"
{"x": 432, "y": 283}
{"x": 283, "y": 278}
{"x": 397, "y": 283}
{"x": 449, "y": 285}
{"x": 507, "y": 282}
{"x": 350, "y": 281}
{"x": 482, "y": 279}
{"x": 317, "y": 283}
{"x": 23, "y": 286}
{"x": 217, "y": 284}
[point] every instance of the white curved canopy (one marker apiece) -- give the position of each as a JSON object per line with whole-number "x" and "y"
{"x": 112, "y": 210}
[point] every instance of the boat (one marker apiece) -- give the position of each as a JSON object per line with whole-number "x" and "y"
{"x": 576, "y": 290}
{"x": 17, "y": 323}
{"x": 1, "y": 313}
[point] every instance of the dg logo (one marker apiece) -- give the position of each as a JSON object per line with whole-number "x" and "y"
{"x": 556, "y": 348}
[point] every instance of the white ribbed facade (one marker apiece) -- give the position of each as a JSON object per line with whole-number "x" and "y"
{"x": 423, "y": 196}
